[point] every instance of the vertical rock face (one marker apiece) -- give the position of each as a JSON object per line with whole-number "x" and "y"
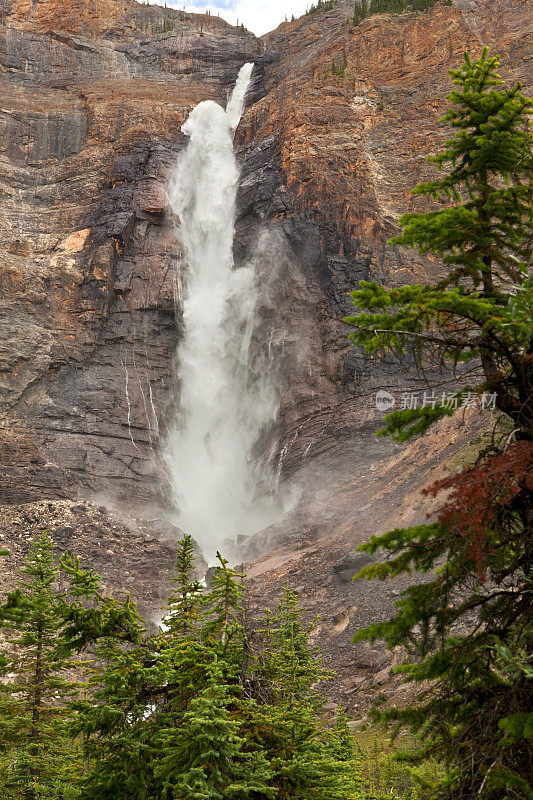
{"x": 335, "y": 144}
{"x": 338, "y": 135}
{"x": 92, "y": 98}
{"x": 93, "y": 94}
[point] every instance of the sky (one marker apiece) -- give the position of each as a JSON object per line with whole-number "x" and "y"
{"x": 259, "y": 16}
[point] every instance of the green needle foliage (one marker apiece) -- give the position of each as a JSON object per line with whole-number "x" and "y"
{"x": 37, "y": 756}
{"x": 468, "y": 625}
{"x": 184, "y": 605}
{"x": 304, "y": 756}
{"x": 205, "y": 757}
{"x": 291, "y": 665}
{"x": 363, "y": 9}
{"x": 211, "y": 708}
{"x": 479, "y": 312}
{"x": 55, "y": 614}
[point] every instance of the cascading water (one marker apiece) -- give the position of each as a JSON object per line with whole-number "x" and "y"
{"x": 220, "y": 486}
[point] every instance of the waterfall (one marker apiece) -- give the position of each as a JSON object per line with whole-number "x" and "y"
{"x": 220, "y": 483}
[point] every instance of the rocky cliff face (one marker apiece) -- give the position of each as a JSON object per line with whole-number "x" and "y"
{"x": 91, "y": 109}
{"x": 339, "y": 122}
{"x": 349, "y": 147}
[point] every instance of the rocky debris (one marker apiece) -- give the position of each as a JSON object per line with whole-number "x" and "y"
{"x": 315, "y": 553}
{"x": 133, "y": 556}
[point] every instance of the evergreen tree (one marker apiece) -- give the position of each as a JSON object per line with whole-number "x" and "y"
{"x": 344, "y": 62}
{"x": 56, "y": 612}
{"x": 126, "y": 681}
{"x": 118, "y": 721}
{"x": 38, "y": 758}
{"x": 484, "y": 237}
{"x": 154, "y": 687}
{"x": 468, "y": 625}
{"x": 192, "y": 714}
{"x": 124, "y": 673}
{"x": 399, "y": 6}
{"x": 224, "y": 604}
{"x": 290, "y": 664}
{"x": 306, "y": 755}
{"x": 360, "y": 11}
{"x": 204, "y": 755}
{"x": 184, "y": 606}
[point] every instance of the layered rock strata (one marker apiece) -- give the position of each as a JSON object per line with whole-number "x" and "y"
{"x": 339, "y": 122}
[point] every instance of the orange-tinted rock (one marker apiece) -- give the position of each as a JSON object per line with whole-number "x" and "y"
{"x": 92, "y": 98}
{"x": 90, "y": 121}
{"x": 350, "y": 147}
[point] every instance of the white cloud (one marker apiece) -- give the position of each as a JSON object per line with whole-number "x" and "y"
{"x": 259, "y": 16}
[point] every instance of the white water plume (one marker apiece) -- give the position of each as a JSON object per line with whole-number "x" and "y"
{"x": 221, "y": 485}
